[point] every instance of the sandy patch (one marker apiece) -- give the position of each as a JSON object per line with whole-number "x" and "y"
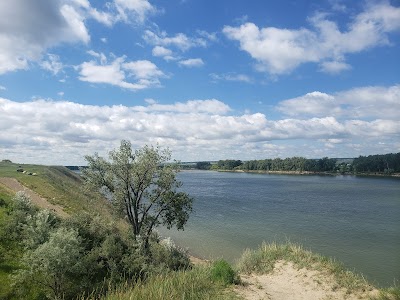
{"x": 16, "y": 186}
{"x": 287, "y": 282}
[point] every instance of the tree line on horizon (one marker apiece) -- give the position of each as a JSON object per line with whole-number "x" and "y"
{"x": 380, "y": 163}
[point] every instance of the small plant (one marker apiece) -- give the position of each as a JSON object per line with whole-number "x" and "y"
{"x": 221, "y": 271}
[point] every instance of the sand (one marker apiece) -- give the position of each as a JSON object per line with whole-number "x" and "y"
{"x": 288, "y": 282}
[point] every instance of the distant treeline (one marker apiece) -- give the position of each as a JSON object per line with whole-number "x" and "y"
{"x": 387, "y": 163}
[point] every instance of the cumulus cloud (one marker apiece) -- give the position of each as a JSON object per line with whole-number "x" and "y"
{"x": 118, "y": 73}
{"x": 44, "y": 24}
{"x": 191, "y": 62}
{"x": 62, "y": 132}
{"x": 373, "y": 102}
{"x": 29, "y": 28}
{"x": 281, "y": 50}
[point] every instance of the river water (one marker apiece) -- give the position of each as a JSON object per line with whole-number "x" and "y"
{"x": 353, "y": 219}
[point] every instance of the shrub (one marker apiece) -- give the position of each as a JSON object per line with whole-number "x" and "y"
{"x": 221, "y": 271}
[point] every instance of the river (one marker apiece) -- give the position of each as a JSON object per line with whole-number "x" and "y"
{"x": 353, "y": 219}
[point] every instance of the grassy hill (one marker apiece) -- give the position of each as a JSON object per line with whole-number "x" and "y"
{"x": 58, "y": 185}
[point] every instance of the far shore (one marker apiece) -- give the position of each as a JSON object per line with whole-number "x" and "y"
{"x": 373, "y": 174}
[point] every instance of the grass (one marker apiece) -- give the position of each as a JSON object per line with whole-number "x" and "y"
{"x": 263, "y": 260}
{"x": 58, "y": 185}
{"x": 392, "y": 293}
{"x": 189, "y": 285}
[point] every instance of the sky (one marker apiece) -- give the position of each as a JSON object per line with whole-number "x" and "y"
{"x": 208, "y": 79}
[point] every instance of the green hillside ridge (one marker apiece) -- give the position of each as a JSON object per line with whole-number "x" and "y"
{"x": 169, "y": 276}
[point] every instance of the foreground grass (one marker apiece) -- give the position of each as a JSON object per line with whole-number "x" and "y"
{"x": 189, "y": 285}
{"x": 392, "y": 293}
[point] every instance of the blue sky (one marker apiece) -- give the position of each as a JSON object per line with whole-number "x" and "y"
{"x": 208, "y": 79}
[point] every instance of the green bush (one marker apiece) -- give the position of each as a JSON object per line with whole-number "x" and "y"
{"x": 222, "y": 271}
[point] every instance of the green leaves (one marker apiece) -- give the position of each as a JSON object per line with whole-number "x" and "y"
{"x": 143, "y": 184}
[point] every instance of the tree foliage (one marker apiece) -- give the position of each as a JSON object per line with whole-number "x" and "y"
{"x": 387, "y": 163}
{"x": 203, "y": 165}
{"x": 84, "y": 254}
{"x": 142, "y": 185}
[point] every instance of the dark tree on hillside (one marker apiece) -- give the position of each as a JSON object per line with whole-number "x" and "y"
{"x": 143, "y": 186}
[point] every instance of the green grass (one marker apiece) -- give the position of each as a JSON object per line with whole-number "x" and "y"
{"x": 262, "y": 261}
{"x": 392, "y": 293}
{"x": 58, "y": 185}
{"x": 188, "y": 285}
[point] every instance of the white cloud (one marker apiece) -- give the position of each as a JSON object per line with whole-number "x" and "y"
{"x": 2, "y": 88}
{"x": 334, "y": 67}
{"x": 163, "y": 52}
{"x": 230, "y": 77}
{"x": 28, "y": 28}
{"x": 134, "y": 10}
{"x": 52, "y": 64}
{"x": 145, "y": 73}
{"x": 280, "y": 51}
{"x": 63, "y": 132}
{"x": 192, "y": 62}
{"x": 104, "y": 40}
{"x": 312, "y": 104}
{"x": 209, "y": 36}
{"x": 180, "y": 40}
{"x": 373, "y": 102}
{"x": 101, "y": 56}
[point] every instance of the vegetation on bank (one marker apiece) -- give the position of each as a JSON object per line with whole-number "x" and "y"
{"x": 108, "y": 238}
{"x": 94, "y": 253}
{"x": 380, "y": 164}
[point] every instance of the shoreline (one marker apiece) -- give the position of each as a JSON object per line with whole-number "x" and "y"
{"x": 310, "y": 173}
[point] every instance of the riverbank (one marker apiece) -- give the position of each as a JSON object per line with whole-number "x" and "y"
{"x": 373, "y": 174}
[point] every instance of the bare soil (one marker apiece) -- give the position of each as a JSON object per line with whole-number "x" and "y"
{"x": 288, "y": 282}
{"x": 39, "y": 201}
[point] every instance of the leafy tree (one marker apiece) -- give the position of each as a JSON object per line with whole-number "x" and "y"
{"x": 142, "y": 185}
{"x": 54, "y": 265}
{"x": 203, "y": 165}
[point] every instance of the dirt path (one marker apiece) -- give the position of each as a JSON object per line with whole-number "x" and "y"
{"x": 287, "y": 282}
{"x": 16, "y": 186}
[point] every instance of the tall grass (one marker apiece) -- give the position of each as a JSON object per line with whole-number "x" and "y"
{"x": 189, "y": 285}
{"x": 263, "y": 260}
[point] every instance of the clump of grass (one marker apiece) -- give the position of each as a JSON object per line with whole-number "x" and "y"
{"x": 221, "y": 271}
{"x": 392, "y": 293}
{"x": 262, "y": 261}
{"x": 188, "y": 285}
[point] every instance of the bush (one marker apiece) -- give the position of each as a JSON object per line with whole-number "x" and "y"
{"x": 221, "y": 271}
{"x": 167, "y": 255}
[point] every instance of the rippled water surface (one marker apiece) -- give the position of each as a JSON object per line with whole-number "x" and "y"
{"x": 354, "y": 219}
